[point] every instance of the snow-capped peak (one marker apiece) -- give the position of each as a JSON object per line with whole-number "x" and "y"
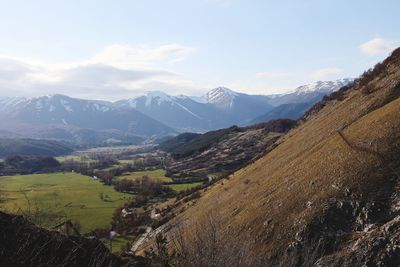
{"x": 323, "y": 86}
{"x": 158, "y": 97}
{"x": 151, "y": 97}
{"x": 218, "y": 92}
{"x": 221, "y": 97}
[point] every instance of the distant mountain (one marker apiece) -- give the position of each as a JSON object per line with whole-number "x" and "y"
{"x": 179, "y": 112}
{"x": 310, "y": 93}
{"x": 293, "y": 105}
{"x": 58, "y": 116}
{"x": 154, "y": 114}
{"x": 241, "y": 108}
{"x": 287, "y": 111}
{"x": 221, "y": 107}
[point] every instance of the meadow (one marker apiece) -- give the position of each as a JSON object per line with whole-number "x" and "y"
{"x": 158, "y": 174}
{"x": 78, "y": 197}
{"x": 183, "y": 187}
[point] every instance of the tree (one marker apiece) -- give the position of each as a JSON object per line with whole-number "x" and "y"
{"x": 159, "y": 254}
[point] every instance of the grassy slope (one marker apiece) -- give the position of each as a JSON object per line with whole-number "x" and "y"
{"x": 57, "y": 190}
{"x": 311, "y": 164}
{"x": 183, "y": 187}
{"x": 154, "y": 174}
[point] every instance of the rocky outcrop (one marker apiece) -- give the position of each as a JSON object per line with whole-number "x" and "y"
{"x": 24, "y": 244}
{"x": 379, "y": 246}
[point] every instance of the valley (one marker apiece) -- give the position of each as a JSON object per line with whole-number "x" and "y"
{"x": 47, "y": 199}
{"x": 136, "y": 190}
{"x": 203, "y": 133}
{"x": 89, "y": 189}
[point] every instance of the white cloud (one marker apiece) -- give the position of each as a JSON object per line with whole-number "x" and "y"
{"x": 271, "y": 74}
{"x": 325, "y": 73}
{"x": 126, "y": 56}
{"x": 11, "y": 69}
{"x": 377, "y": 46}
{"x": 116, "y": 72}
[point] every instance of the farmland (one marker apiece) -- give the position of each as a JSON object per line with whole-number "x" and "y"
{"x": 183, "y": 187}
{"x": 75, "y": 196}
{"x": 158, "y": 174}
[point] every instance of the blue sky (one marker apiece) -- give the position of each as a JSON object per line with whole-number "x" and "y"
{"x": 116, "y": 49}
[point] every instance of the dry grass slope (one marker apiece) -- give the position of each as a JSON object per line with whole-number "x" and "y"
{"x": 344, "y": 155}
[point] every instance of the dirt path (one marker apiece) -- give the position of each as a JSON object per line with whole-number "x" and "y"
{"x": 141, "y": 239}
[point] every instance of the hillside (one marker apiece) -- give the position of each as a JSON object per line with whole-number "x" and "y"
{"x": 174, "y": 143}
{"x": 327, "y": 195}
{"x": 195, "y": 143}
{"x": 287, "y": 111}
{"x": 24, "y": 244}
{"x": 33, "y": 147}
{"x": 222, "y": 151}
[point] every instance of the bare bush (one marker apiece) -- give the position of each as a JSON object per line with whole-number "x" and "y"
{"x": 206, "y": 244}
{"x": 42, "y": 213}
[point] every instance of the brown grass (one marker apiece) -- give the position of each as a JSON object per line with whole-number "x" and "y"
{"x": 312, "y": 164}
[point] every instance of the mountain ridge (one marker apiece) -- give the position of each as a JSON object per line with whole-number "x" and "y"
{"x": 154, "y": 114}
{"x": 222, "y": 107}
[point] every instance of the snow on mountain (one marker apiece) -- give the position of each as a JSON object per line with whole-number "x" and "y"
{"x": 149, "y": 99}
{"x": 221, "y": 97}
{"x": 198, "y": 99}
{"x": 55, "y": 103}
{"x": 56, "y": 110}
{"x": 310, "y": 93}
{"x": 180, "y": 112}
{"x": 8, "y": 102}
{"x": 220, "y": 107}
{"x": 323, "y": 86}
{"x": 157, "y": 97}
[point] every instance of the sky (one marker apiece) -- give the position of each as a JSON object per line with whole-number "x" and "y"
{"x": 114, "y": 49}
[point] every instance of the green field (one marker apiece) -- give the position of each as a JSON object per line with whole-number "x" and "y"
{"x": 155, "y": 174}
{"x": 80, "y": 158}
{"x": 183, "y": 187}
{"x": 119, "y": 243}
{"x": 75, "y": 195}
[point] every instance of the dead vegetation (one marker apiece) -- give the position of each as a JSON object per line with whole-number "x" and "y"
{"x": 328, "y": 187}
{"x": 24, "y": 244}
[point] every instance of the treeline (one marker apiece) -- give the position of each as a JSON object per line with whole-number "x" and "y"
{"x": 188, "y": 144}
{"x": 106, "y": 167}
{"x": 28, "y": 165}
{"x": 33, "y": 147}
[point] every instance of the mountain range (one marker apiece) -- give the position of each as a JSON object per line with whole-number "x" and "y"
{"x": 155, "y": 114}
{"x": 222, "y": 107}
